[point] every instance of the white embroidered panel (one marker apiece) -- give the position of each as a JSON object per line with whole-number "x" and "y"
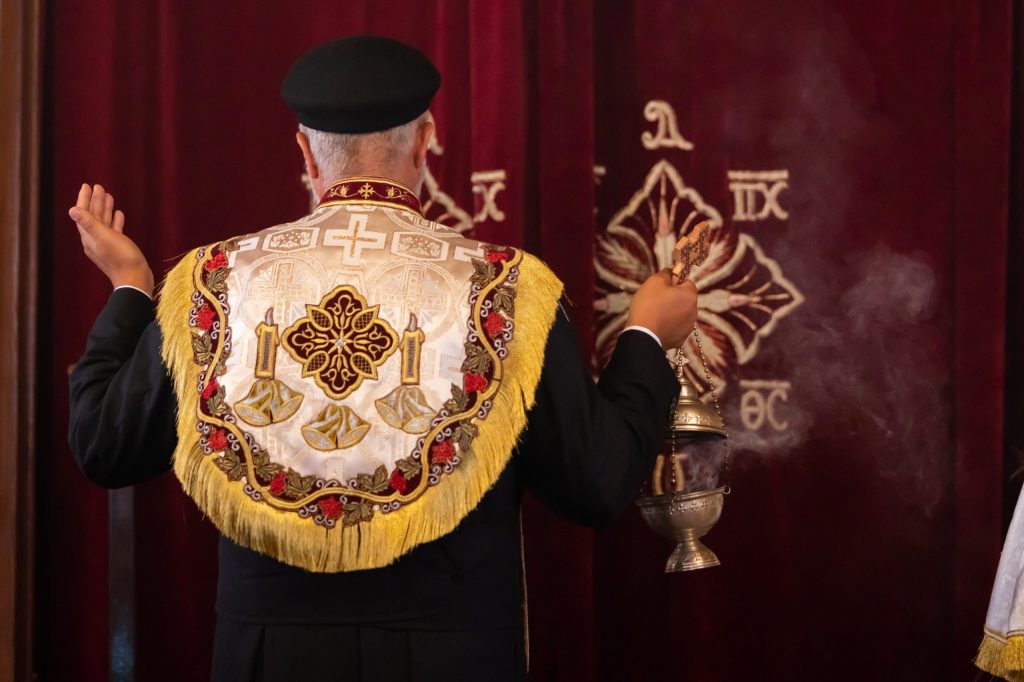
{"x": 415, "y": 270}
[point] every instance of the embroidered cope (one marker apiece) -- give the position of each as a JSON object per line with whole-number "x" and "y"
{"x": 352, "y": 383}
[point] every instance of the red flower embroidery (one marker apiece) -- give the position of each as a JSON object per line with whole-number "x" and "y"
{"x": 494, "y": 324}
{"x": 472, "y": 383}
{"x": 205, "y": 317}
{"x": 330, "y": 507}
{"x": 277, "y": 484}
{"x": 442, "y": 452}
{"x": 216, "y": 263}
{"x": 399, "y": 482}
{"x": 496, "y": 256}
{"x": 218, "y": 440}
{"x": 210, "y": 389}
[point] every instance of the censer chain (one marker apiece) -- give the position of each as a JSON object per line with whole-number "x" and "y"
{"x": 714, "y": 398}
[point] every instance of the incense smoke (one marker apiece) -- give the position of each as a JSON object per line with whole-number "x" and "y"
{"x": 864, "y": 351}
{"x": 857, "y": 355}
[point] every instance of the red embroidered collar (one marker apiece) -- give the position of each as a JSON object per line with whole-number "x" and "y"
{"x": 374, "y": 191}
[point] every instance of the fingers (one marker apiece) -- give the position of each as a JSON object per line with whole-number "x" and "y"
{"x": 669, "y": 276}
{"x": 95, "y": 206}
{"x": 108, "y": 209}
{"x": 688, "y": 293}
{"x": 677, "y": 271}
{"x": 98, "y": 197}
{"x": 118, "y": 225}
{"x": 84, "y": 195}
{"x": 84, "y": 219}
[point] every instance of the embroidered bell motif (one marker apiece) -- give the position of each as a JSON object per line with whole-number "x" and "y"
{"x": 269, "y": 401}
{"x": 336, "y": 428}
{"x": 406, "y": 407}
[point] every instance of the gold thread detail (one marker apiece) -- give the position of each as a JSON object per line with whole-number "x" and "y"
{"x": 340, "y": 342}
{"x": 1002, "y": 657}
{"x": 278, "y": 532}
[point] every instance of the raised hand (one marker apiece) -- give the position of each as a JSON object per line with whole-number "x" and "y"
{"x": 669, "y": 310}
{"x": 104, "y": 242}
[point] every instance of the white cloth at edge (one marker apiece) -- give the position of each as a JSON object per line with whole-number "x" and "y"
{"x": 1006, "y": 607}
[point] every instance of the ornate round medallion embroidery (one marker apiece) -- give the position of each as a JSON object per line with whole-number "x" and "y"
{"x": 340, "y": 342}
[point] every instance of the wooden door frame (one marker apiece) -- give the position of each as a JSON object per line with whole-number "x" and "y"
{"x": 20, "y": 39}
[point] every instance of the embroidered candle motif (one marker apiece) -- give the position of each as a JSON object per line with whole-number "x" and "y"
{"x": 270, "y": 401}
{"x": 406, "y": 407}
{"x": 339, "y": 343}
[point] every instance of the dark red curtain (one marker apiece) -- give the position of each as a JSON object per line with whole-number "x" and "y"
{"x": 857, "y": 158}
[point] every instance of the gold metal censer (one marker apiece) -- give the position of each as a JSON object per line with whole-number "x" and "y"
{"x": 677, "y": 508}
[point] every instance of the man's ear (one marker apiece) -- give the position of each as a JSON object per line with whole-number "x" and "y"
{"x": 307, "y": 155}
{"x": 423, "y": 136}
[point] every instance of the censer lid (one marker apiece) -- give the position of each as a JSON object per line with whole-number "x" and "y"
{"x": 692, "y": 418}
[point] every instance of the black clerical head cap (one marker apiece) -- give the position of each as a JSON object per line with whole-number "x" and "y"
{"x": 360, "y": 84}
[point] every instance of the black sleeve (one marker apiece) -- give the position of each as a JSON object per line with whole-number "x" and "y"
{"x": 122, "y": 424}
{"x": 587, "y": 448}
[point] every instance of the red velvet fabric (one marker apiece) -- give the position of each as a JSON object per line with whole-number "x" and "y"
{"x": 861, "y": 545}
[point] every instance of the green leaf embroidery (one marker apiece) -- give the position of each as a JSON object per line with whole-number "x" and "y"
{"x": 357, "y": 512}
{"x": 477, "y": 360}
{"x": 231, "y": 465}
{"x": 296, "y": 485}
{"x": 202, "y": 348}
{"x": 464, "y": 434}
{"x": 264, "y": 468}
{"x": 408, "y": 467}
{"x": 458, "y": 401}
{"x": 216, "y": 404}
{"x": 505, "y": 300}
{"x": 376, "y": 483}
{"x": 217, "y": 280}
{"x": 483, "y": 272}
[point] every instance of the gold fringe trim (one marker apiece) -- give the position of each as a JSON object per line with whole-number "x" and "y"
{"x": 385, "y": 538}
{"x": 1002, "y": 657}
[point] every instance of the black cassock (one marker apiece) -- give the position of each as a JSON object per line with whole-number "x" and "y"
{"x": 448, "y": 610}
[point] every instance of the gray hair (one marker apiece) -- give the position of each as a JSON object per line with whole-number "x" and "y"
{"x": 342, "y": 155}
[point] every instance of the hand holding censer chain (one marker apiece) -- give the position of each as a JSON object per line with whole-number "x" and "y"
{"x": 677, "y": 508}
